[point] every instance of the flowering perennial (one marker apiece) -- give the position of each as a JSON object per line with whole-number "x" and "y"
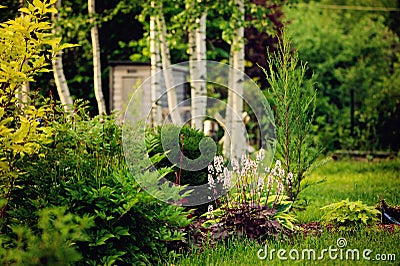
{"x": 248, "y": 181}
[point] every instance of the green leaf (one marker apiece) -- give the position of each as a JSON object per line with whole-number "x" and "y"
{"x": 24, "y": 10}
{"x": 67, "y": 45}
{"x": 102, "y": 240}
{"x": 52, "y": 10}
{"x": 4, "y": 166}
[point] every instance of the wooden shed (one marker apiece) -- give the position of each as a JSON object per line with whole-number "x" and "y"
{"x": 127, "y": 77}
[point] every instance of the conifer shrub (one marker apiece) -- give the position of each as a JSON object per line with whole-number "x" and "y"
{"x": 172, "y": 139}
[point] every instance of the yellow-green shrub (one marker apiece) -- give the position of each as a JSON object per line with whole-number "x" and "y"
{"x": 27, "y": 46}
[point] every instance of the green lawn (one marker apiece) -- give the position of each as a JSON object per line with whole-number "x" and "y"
{"x": 363, "y": 181}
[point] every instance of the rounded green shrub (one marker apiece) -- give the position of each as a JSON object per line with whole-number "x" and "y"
{"x": 192, "y": 143}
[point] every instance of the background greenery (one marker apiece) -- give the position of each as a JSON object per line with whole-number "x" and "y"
{"x": 349, "y": 50}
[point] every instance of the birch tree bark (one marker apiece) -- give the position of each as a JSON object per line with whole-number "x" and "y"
{"x": 193, "y": 72}
{"x": 98, "y": 92}
{"x": 228, "y": 112}
{"x": 167, "y": 71}
{"x": 238, "y": 140}
{"x": 57, "y": 64}
{"x": 23, "y": 92}
{"x": 155, "y": 67}
{"x": 198, "y": 69}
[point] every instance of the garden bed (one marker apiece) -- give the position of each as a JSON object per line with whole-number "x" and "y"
{"x": 342, "y": 179}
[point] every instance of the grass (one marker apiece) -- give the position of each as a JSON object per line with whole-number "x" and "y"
{"x": 245, "y": 252}
{"x": 365, "y": 181}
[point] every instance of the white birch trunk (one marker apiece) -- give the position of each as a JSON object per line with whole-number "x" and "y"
{"x": 193, "y": 73}
{"x": 199, "y": 87}
{"x": 61, "y": 82}
{"x": 155, "y": 67}
{"x": 168, "y": 74}
{"x": 22, "y": 93}
{"x": 238, "y": 144}
{"x": 228, "y": 112}
{"x": 59, "y": 77}
{"x": 98, "y": 92}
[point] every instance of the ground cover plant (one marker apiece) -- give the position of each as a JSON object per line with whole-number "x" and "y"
{"x": 347, "y": 213}
{"x": 343, "y": 179}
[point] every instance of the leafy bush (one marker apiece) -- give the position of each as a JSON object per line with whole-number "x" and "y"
{"x": 86, "y": 171}
{"x": 24, "y": 44}
{"x": 54, "y": 242}
{"x": 254, "y": 205}
{"x": 347, "y": 213}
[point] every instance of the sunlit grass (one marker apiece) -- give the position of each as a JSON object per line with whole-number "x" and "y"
{"x": 365, "y": 181}
{"x": 245, "y": 252}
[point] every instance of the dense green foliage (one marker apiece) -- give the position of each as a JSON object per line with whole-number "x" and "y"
{"x": 85, "y": 171}
{"x": 67, "y": 196}
{"x": 52, "y": 243}
{"x": 354, "y": 55}
{"x": 23, "y": 42}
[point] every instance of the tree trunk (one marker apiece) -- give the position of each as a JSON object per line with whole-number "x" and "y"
{"x": 57, "y": 64}
{"x": 98, "y": 92}
{"x": 167, "y": 71}
{"x": 228, "y": 112}
{"x": 155, "y": 67}
{"x": 238, "y": 143}
{"x": 197, "y": 44}
{"x": 22, "y": 93}
{"x": 193, "y": 72}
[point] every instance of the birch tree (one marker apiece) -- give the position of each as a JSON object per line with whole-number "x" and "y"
{"x": 98, "y": 92}
{"x": 228, "y": 113}
{"x": 197, "y": 63}
{"x": 155, "y": 67}
{"x": 236, "y": 144}
{"x": 57, "y": 65}
{"x": 166, "y": 63}
{"x": 23, "y": 91}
